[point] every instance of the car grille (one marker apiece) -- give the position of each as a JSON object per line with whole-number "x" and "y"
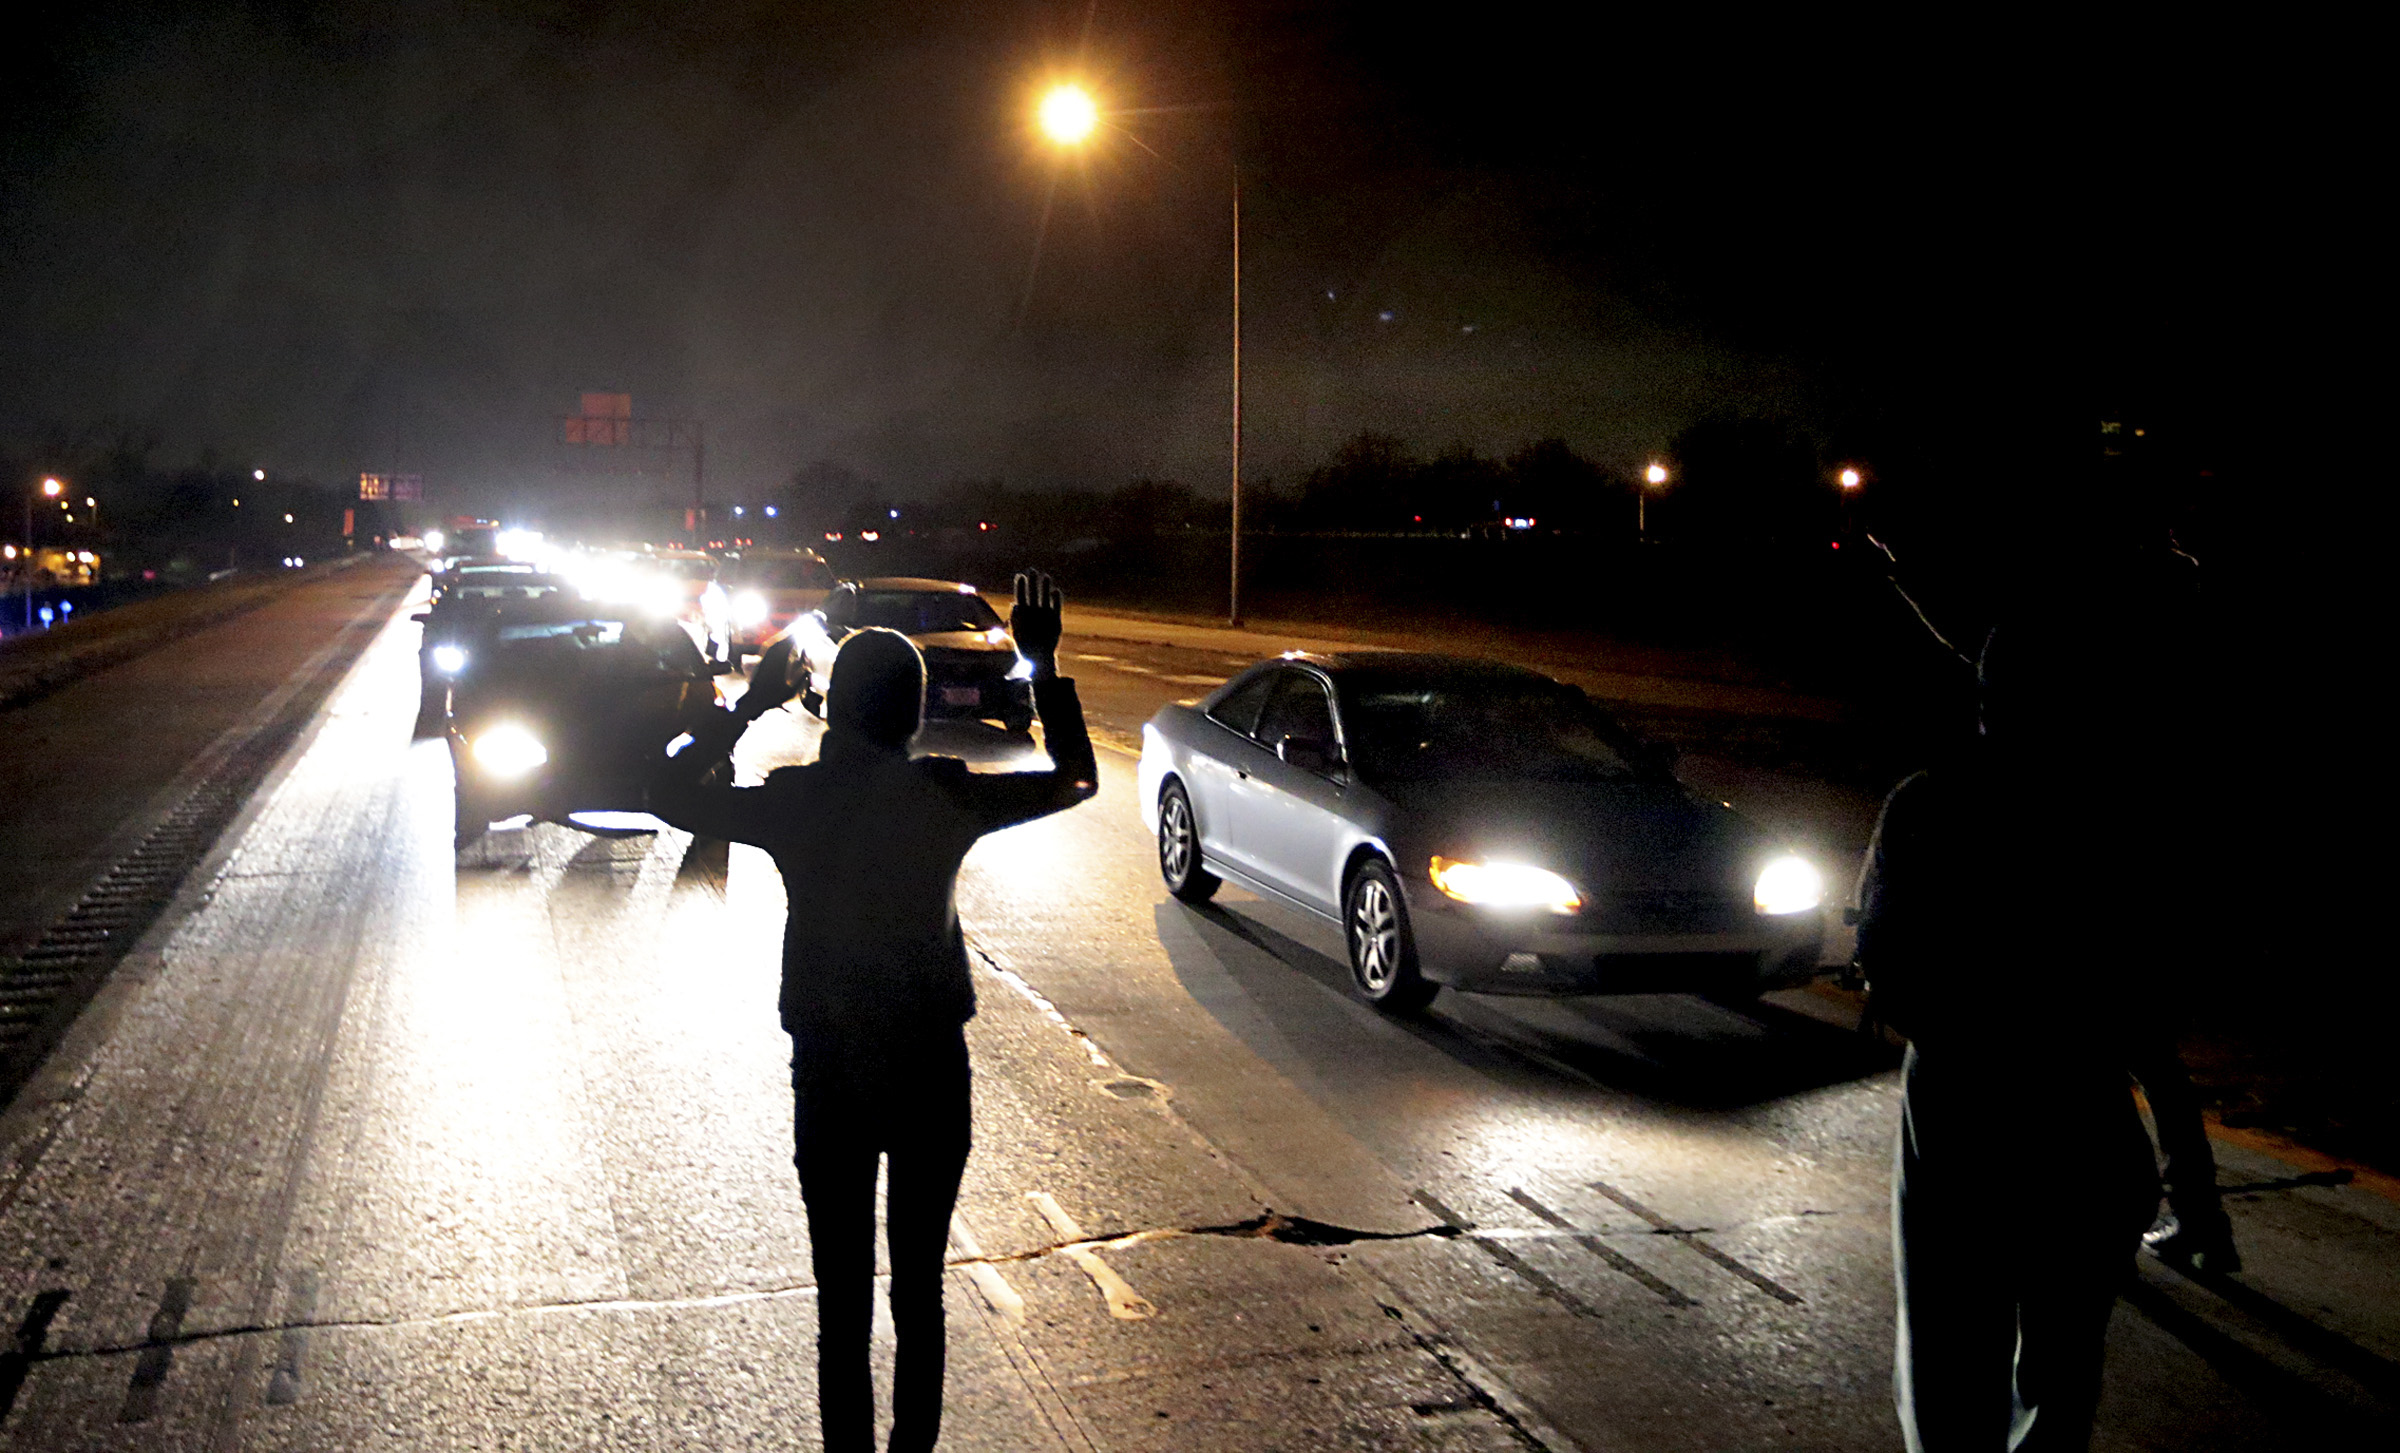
{"x": 979, "y": 667}
{"x": 1672, "y": 911}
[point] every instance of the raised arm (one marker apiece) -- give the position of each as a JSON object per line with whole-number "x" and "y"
{"x": 679, "y": 792}
{"x": 1003, "y": 799}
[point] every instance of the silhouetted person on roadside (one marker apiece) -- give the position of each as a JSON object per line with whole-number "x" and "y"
{"x": 2020, "y": 905}
{"x": 876, "y": 992}
{"x": 2117, "y": 591}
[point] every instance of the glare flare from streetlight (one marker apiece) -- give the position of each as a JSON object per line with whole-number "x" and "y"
{"x": 51, "y": 487}
{"x": 1068, "y": 114}
{"x": 1656, "y": 474}
{"x": 1850, "y": 479}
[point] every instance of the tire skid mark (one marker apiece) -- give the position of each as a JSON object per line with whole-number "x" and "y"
{"x": 1607, "y": 1253}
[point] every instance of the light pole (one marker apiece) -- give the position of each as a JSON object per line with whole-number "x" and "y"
{"x": 1069, "y": 116}
{"x": 51, "y": 489}
{"x": 1652, "y": 478}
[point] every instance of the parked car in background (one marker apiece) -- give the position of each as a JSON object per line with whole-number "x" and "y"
{"x": 1472, "y": 824}
{"x": 972, "y": 669}
{"x": 766, "y": 590}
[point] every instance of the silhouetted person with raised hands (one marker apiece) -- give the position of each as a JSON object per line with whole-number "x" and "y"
{"x": 876, "y": 990}
{"x": 2020, "y": 905}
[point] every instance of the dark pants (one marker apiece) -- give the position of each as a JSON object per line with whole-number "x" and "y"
{"x": 2187, "y": 1164}
{"x": 908, "y": 1102}
{"x": 2021, "y": 1197}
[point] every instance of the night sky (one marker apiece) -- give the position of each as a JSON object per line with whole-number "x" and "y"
{"x": 323, "y": 238}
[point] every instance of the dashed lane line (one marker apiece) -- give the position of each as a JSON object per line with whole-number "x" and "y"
{"x": 1124, "y": 1303}
{"x": 997, "y": 1293}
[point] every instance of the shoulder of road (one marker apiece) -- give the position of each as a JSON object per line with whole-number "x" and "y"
{"x": 35, "y": 664}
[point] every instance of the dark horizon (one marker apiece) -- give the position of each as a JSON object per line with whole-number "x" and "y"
{"x": 322, "y": 245}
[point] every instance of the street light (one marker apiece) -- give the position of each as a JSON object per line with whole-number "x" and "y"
{"x": 1069, "y": 116}
{"x": 51, "y": 489}
{"x": 1850, "y": 479}
{"x": 1652, "y": 478}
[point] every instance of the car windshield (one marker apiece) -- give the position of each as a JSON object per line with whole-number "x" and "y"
{"x": 602, "y": 644}
{"x": 1482, "y": 729}
{"x": 688, "y": 569}
{"x": 922, "y": 612}
{"x": 781, "y": 574}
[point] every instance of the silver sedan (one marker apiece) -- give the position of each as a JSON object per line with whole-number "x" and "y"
{"x": 1472, "y": 824}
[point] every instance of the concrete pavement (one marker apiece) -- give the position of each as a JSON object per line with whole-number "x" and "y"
{"x": 367, "y": 1147}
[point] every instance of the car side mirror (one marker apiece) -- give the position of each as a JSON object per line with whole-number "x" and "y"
{"x": 423, "y": 617}
{"x": 1309, "y": 754}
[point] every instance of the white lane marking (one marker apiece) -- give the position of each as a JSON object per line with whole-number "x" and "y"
{"x": 1197, "y": 680}
{"x": 1084, "y": 656}
{"x": 1001, "y": 1297}
{"x": 1033, "y": 996}
{"x": 1124, "y": 1303}
{"x": 1136, "y": 670}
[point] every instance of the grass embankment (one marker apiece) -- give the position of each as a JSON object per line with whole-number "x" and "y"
{"x": 36, "y": 664}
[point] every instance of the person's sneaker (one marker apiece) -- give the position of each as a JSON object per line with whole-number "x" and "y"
{"x": 2208, "y": 1251}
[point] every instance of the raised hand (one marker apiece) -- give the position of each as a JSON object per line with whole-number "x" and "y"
{"x": 770, "y": 686}
{"x": 1034, "y": 621}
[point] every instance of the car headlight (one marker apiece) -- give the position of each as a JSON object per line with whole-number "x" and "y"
{"x": 1022, "y": 671}
{"x": 449, "y": 659}
{"x": 1788, "y": 885}
{"x": 749, "y": 608}
{"x": 509, "y": 751}
{"x": 1505, "y": 885}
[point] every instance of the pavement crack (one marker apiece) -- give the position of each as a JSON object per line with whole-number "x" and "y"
{"x": 1290, "y": 1230}
{"x": 1270, "y": 1226}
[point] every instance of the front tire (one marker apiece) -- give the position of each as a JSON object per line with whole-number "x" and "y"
{"x": 1383, "y": 950}
{"x": 1179, "y": 848}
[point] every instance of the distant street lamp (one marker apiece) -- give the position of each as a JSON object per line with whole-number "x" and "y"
{"x": 1069, "y": 116}
{"x": 51, "y": 489}
{"x": 1850, "y": 479}
{"x": 1652, "y": 478}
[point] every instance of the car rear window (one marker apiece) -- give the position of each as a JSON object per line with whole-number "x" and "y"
{"x": 1238, "y": 709}
{"x": 1298, "y": 709}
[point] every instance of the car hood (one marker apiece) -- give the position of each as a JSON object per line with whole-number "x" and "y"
{"x": 962, "y": 641}
{"x": 1610, "y": 837}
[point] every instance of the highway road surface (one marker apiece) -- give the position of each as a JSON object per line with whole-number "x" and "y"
{"x": 363, "y": 1147}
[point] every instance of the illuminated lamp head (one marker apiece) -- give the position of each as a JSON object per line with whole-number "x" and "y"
{"x": 878, "y": 688}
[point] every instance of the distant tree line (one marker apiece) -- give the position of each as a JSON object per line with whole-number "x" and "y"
{"x": 1733, "y": 477}
{"x": 167, "y": 520}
